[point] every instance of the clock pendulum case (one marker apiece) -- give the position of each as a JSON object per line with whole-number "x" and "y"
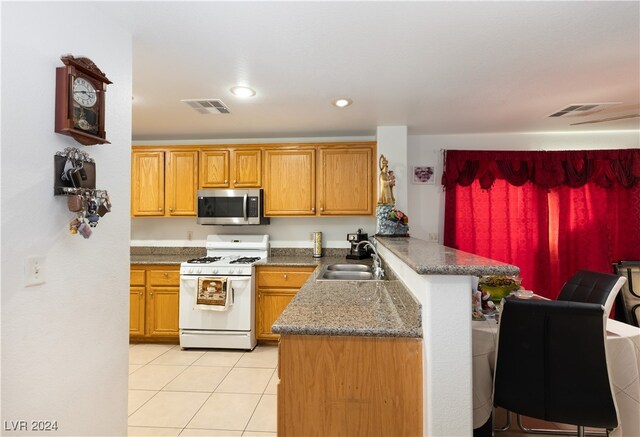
{"x": 80, "y": 94}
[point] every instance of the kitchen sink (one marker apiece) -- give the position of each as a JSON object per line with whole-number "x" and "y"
{"x": 347, "y": 276}
{"x": 349, "y": 268}
{"x": 347, "y": 272}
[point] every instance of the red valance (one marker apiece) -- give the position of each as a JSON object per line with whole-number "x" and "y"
{"x": 573, "y": 168}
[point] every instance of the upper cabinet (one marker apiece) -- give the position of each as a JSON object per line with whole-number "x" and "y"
{"x": 299, "y": 180}
{"x": 230, "y": 168}
{"x": 290, "y": 182}
{"x": 181, "y": 182}
{"x": 164, "y": 183}
{"x": 325, "y": 180}
{"x": 147, "y": 183}
{"x": 345, "y": 181}
{"x": 214, "y": 169}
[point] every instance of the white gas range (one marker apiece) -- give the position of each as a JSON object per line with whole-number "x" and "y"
{"x": 229, "y": 260}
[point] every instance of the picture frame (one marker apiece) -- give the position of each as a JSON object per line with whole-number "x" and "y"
{"x": 423, "y": 175}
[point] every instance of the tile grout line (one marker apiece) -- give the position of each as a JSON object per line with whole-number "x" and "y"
{"x": 208, "y": 397}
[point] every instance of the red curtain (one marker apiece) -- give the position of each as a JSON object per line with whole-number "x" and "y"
{"x": 547, "y": 217}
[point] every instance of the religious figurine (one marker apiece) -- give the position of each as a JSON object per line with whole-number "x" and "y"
{"x": 386, "y": 192}
{"x": 392, "y": 183}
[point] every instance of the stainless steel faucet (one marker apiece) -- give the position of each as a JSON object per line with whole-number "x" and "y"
{"x": 378, "y": 273}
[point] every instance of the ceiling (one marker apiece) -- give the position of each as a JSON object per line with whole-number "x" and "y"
{"x": 436, "y": 67}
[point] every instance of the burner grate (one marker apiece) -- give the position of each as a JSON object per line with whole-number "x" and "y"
{"x": 204, "y": 260}
{"x": 245, "y": 260}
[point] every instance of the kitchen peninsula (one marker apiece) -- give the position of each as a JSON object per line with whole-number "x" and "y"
{"x": 440, "y": 279}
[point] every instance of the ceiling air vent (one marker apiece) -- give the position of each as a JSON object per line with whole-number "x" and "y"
{"x": 207, "y": 106}
{"x": 581, "y": 109}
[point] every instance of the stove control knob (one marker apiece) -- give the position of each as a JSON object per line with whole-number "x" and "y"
{"x": 190, "y": 270}
{"x": 199, "y": 270}
{"x": 214, "y": 270}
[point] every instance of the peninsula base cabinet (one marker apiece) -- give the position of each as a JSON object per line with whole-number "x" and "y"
{"x": 276, "y": 287}
{"x": 154, "y": 299}
{"x": 349, "y": 386}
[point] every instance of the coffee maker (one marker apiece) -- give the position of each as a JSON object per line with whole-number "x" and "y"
{"x": 356, "y": 252}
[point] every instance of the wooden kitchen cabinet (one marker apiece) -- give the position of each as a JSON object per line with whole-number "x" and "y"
{"x": 154, "y": 303}
{"x": 231, "y": 168}
{"x": 137, "y": 293}
{"x": 345, "y": 181}
{"x": 147, "y": 183}
{"x": 181, "y": 182}
{"x": 163, "y": 182}
{"x": 349, "y": 386}
{"x": 290, "y": 182}
{"x": 276, "y": 287}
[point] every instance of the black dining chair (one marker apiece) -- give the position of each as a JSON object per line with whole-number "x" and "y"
{"x": 592, "y": 287}
{"x": 551, "y": 364}
{"x": 628, "y": 301}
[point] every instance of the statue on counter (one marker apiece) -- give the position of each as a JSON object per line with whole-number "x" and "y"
{"x": 385, "y": 183}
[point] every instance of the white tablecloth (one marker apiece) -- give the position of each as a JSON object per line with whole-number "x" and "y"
{"x": 623, "y": 355}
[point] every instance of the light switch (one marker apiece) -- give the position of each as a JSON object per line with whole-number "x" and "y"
{"x": 34, "y": 271}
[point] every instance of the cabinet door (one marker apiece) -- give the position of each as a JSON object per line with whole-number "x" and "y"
{"x": 162, "y": 311}
{"x": 345, "y": 181}
{"x": 247, "y": 168}
{"x": 182, "y": 182}
{"x": 136, "y": 311}
{"x": 147, "y": 184}
{"x": 214, "y": 169}
{"x": 271, "y": 303}
{"x": 290, "y": 182}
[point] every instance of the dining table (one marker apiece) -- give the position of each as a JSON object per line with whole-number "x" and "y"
{"x": 623, "y": 358}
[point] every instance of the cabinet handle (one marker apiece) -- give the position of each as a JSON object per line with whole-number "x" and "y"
{"x": 313, "y": 210}
{"x": 151, "y": 293}
{"x": 321, "y": 209}
{"x": 226, "y": 181}
{"x": 234, "y": 181}
{"x": 285, "y": 276}
{"x": 170, "y": 209}
{"x": 159, "y": 209}
{"x": 140, "y": 293}
{"x": 165, "y": 274}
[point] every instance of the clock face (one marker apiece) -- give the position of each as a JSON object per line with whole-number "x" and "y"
{"x": 84, "y": 93}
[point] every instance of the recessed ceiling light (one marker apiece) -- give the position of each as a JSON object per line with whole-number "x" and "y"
{"x": 242, "y": 91}
{"x": 342, "y": 102}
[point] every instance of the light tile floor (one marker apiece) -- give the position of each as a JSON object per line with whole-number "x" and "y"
{"x": 202, "y": 393}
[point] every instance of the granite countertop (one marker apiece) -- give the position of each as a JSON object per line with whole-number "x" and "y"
{"x": 164, "y": 255}
{"x": 430, "y": 258}
{"x": 348, "y": 308}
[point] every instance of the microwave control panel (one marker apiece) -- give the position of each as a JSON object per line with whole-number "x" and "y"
{"x": 252, "y": 208}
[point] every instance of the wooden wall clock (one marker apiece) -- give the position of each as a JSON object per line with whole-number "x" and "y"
{"x": 80, "y": 92}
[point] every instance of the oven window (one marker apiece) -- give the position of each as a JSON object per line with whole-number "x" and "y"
{"x": 220, "y": 206}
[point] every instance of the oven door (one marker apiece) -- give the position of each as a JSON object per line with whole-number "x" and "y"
{"x": 239, "y": 316}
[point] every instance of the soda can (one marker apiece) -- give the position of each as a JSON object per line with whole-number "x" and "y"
{"x": 317, "y": 244}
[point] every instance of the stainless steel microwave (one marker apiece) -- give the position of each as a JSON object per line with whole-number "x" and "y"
{"x": 231, "y": 207}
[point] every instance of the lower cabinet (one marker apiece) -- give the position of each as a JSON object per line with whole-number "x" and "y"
{"x": 276, "y": 287}
{"x": 154, "y": 303}
{"x": 349, "y": 386}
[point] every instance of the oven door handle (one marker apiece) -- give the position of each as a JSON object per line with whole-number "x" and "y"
{"x": 244, "y": 206}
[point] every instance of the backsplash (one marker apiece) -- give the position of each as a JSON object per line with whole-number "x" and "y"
{"x": 289, "y": 232}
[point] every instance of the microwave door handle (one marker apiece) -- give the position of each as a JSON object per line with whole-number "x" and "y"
{"x": 244, "y": 207}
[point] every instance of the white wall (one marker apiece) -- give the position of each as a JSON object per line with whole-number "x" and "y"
{"x": 427, "y": 201}
{"x": 392, "y": 143}
{"x": 65, "y": 342}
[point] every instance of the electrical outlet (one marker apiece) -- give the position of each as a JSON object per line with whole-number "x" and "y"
{"x": 190, "y": 235}
{"x": 34, "y": 271}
